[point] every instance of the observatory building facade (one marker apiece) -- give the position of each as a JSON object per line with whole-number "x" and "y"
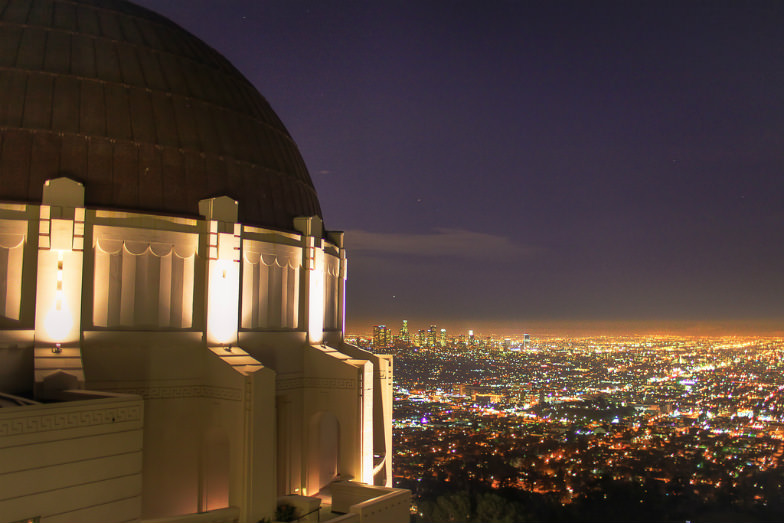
{"x": 171, "y": 307}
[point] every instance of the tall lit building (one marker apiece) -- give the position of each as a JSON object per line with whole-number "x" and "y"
{"x": 171, "y": 307}
{"x": 442, "y": 338}
{"x": 432, "y": 336}
{"x": 404, "y": 336}
{"x": 380, "y": 335}
{"x": 421, "y": 338}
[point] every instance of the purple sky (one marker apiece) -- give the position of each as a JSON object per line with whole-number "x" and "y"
{"x": 513, "y": 164}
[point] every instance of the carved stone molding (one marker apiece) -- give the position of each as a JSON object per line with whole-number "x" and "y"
{"x": 48, "y": 421}
{"x": 182, "y": 392}
{"x": 315, "y": 383}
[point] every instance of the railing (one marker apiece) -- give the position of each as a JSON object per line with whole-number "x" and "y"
{"x": 370, "y": 503}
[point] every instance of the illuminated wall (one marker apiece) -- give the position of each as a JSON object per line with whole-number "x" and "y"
{"x": 270, "y": 285}
{"x": 141, "y": 283}
{"x": 331, "y": 292}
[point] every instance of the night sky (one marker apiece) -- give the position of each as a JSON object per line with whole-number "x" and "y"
{"x": 515, "y": 166}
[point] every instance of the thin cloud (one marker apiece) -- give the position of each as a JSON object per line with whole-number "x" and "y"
{"x": 457, "y": 243}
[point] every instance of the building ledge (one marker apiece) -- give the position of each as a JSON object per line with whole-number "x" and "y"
{"x": 372, "y": 504}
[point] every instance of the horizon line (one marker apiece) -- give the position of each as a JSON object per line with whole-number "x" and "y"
{"x": 585, "y": 328}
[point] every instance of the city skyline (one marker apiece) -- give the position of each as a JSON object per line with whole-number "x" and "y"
{"x": 533, "y": 166}
{"x": 582, "y": 329}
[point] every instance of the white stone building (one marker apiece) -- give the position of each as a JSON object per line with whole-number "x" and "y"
{"x": 171, "y": 307}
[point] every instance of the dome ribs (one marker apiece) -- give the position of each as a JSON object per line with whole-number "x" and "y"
{"x": 65, "y": 113}
{"x": 149, "y": 34}
{"x": 174, "y": 180}
{"x": 110, "y": 28}
{"x": 186, "y": 124}
{"x": 65, "y": 17}
{"x": 15, "y": 153}
{"x": 130, "y": 30}
{"x": 37, "y": 111}
{"x": 206, "y": 128}
{"x": 130, "y": 68}
{"x": 118, "y": 117}
{"x": 125, "y": 176}
{"x": 42, "y": 14}
{"x": 87, "y": 22}
{"x": 83, "y": 56}
{"x": 165, "y": 124}
{"x": 217, "y": 175}
{"x": 73, "y": 157}
{"x": 13, "y": 85}
{"x": 58, "y": 52}
{"x": 142, "y": 121}
{"x": 9, "y": 45}
{"x": 151, "y": 176}
{"x": 173, "y": 75}
{"x": 98, "y": 182}
{"x": 44, "y": 162}
{"x": 17, "y": 11}
{"x": 145, "y": 114}
{"x": 195, "y": 78}
{"x": 92, "y": 109}
{"x": 31, "y": 49}
{"x": 152, "y": 73}
{"x": 196, "y": 180}
{"x": 107, "y": 63}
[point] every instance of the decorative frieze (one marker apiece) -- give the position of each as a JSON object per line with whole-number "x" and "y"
{"x": 315, "y": 383}
{"x": 31, "y": 422}
{"x": 180, "y": 392}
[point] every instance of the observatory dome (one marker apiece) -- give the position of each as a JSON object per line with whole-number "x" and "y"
{"x": 172, "y": 309}
{"x": 144, "y": 114}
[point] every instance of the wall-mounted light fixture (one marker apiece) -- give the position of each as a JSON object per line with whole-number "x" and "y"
{"x": 59, "y": 320}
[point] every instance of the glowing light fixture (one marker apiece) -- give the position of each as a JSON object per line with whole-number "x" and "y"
{"x": 224, "y": 279}
{"x": 59, "y": 320}
{"x": 224, "y": 283}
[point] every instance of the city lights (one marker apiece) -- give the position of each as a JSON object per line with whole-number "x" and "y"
{"x": 564, "y": 418}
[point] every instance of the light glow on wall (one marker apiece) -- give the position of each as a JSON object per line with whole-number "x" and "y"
{"x": 223, "y": 308}
{"x": 58, "y": 323}
{"x": 58, "y": 301}
{"x": 366, "y": 422}
{"x": 315, "y": 266}
{"x": 59, "y": 320}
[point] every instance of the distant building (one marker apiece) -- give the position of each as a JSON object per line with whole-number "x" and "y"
{"x": 380, "y": 337}
{"x": 432, "y": 334}
{"x": 421, "y": 338}
{"x": 404, "y": 335}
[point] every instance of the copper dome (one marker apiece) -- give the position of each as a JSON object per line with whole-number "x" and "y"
{"x": 145, "y": 114}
